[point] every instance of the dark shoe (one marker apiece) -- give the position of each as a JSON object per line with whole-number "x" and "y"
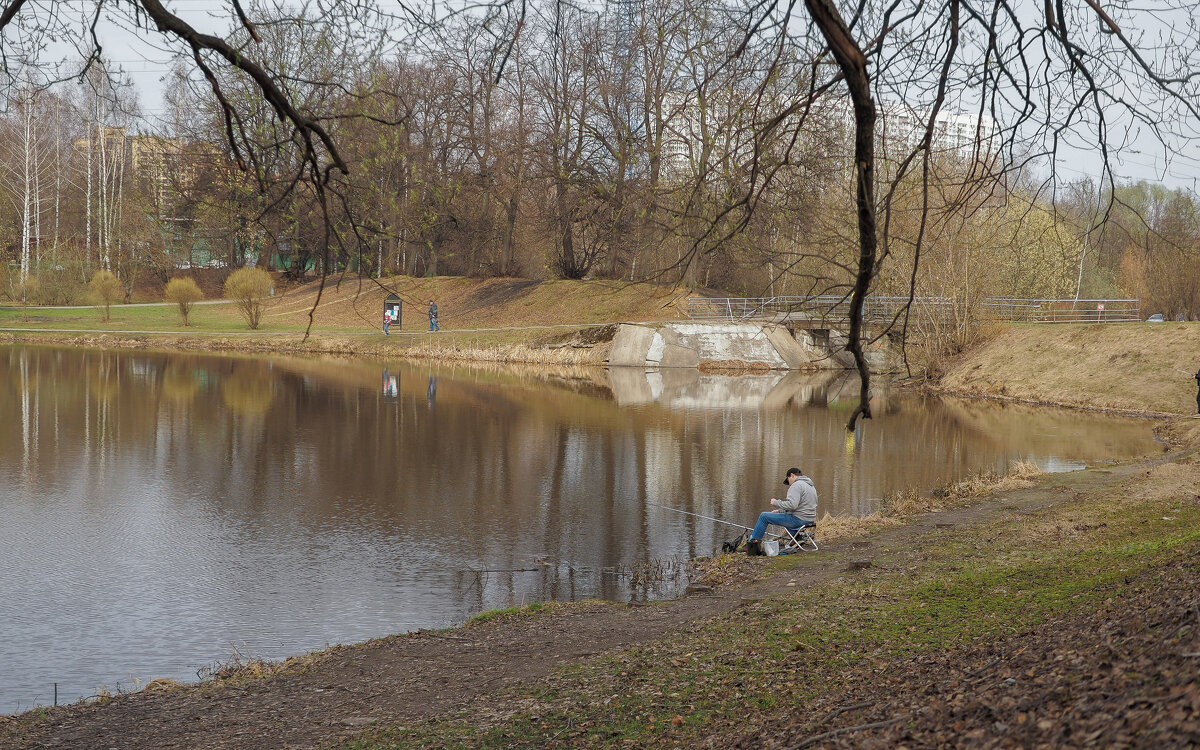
{"x": 754, "y": 548}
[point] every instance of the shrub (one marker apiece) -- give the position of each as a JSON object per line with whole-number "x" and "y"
{"x": 248, "y": 287}
{"x": 104, "y": 288}
{"x": 184, "y": 292}
{"x": 23, "y": 293}
{"x": 62, "y": 286}
{"x": 28, "y": 292}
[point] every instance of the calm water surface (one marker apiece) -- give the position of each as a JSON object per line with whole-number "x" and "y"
{"x": 167, "y": 512}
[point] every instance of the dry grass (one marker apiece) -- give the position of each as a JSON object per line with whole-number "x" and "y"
{"x": 163, "y": 685}
{"x": 933, "y": 344}
{"x": 517, "y": 353}
{"x": 845, "y": 527}
{"x": 905, "y": 503}
{"x": 1184, "y": 433}
{"x": 726, "y": 570}
{"x": 465, "y": 303}
{"x": 242, "y": 666}
{"x": 1137, "y": 367}
{"x": 732, "y": 367}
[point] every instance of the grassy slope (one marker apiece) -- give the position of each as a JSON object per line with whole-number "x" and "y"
{"x": 356, "y": 306}
{"x": 510, "y": 320}
{"x": 1132, "y": 366}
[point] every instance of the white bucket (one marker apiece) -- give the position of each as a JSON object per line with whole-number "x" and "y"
{"x": 770, "y": 548}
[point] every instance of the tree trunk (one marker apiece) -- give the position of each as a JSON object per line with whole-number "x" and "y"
{"x": 566, "y": 263}
{"x": 853, "y": 64}
{"x": 57, "y": 180}
{"x": 27, "y": 184}
{"x": 88, "y": 201}
{"x": 507, "y": 249}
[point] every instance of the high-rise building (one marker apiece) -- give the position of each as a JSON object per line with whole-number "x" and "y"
{"x": 954, "y": 133}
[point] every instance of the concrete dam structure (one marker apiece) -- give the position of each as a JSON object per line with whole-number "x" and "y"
{"x": 735, "y": 345}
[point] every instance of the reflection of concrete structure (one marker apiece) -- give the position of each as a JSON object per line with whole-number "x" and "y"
{"x": 685, "y": 388}
{"x": 691, "y": 344}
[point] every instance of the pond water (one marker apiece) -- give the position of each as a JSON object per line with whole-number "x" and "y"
{"x": 163, "y": 513}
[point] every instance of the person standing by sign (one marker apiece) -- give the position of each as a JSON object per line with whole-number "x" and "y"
{"x": 1197, "y": 376}
{"x": 387, "y": 321}
{"x": 433, "y": 323}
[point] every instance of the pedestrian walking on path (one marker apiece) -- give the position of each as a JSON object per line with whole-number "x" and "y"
{"x": 433, "y": 324}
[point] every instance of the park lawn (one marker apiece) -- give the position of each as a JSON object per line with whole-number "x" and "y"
{"x": 473, "y": 312}
{"x": 482, "y": 320}
{"x": 221, "y": 318}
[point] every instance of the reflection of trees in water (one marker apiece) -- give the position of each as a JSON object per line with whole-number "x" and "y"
{"x": 101, "y": 378}
{"x": 248, "y": 391}
{"x": 77, "y": 402}
{"x": 179, "y": 383}
{"x": 1025, "y": 430}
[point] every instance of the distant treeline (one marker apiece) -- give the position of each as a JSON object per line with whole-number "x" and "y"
{"x": 623, "y": 143}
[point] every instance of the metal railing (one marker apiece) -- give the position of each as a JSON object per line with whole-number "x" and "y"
{"x": 836, "y": 309}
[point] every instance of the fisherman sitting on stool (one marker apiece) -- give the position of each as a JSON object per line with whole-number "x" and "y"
{"x": 798, "y": 509}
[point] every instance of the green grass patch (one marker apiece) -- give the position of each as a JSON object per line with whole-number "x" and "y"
{"x": 218, "y": 318}
{"x": 508, "y": 612}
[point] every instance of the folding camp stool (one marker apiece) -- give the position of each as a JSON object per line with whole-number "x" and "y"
{"x": 803, "y": 538}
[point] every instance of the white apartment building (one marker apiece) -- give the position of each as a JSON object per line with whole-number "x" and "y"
{"x": 899, "y": 128}
{"x": 960, "y": 133}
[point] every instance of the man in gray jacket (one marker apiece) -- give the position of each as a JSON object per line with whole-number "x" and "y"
{"x": 795, "y": 511}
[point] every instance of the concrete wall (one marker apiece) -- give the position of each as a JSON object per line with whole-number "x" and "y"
{"x": 681, "y": 388}
{"x": 688, "y": 344}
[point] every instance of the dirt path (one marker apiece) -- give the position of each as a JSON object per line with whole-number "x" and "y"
{"x": 335, "y": 694}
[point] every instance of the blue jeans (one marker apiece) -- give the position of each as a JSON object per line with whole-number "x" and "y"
{"x": 779, "y": 519}
{"x": 433, "y": 326}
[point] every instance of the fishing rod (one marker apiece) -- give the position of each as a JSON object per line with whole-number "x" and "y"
{"x": 707, "y": 518}
{"x": 1185, "y": 372}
